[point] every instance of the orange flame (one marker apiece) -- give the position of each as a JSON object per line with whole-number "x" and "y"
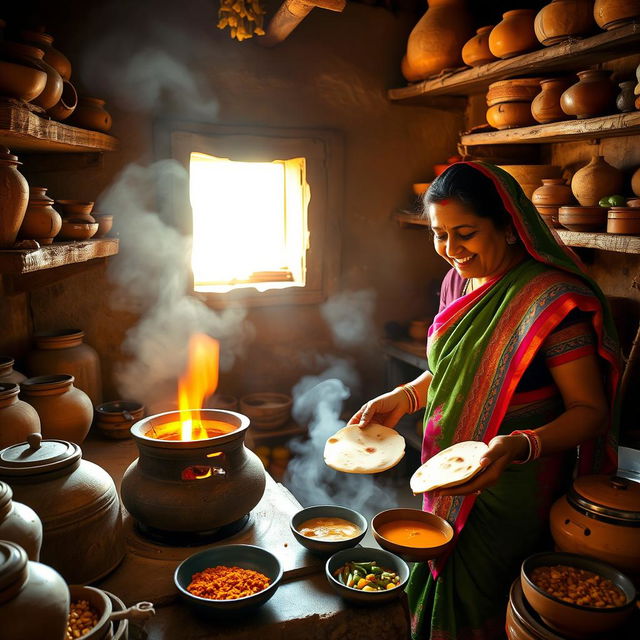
{"x": 199, "y": 382}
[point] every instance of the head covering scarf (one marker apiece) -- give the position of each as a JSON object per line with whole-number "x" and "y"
{"x": 479, "y": 346}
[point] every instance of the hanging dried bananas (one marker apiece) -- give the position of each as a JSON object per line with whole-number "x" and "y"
{"x": 243, "y": 17}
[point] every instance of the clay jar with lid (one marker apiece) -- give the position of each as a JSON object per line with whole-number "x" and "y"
{"x": 76, "y": 501}
{"x": 14, "y": 197}
{"x": 52, "y": 56}
{"x": 7, "y": 372}
{"x": 514, "y": 34}
{"x": 545, "y": 107}
{"x": 41, "y": 221}
{"x": 19, "y": 523}
{"x": 593, "y": 95}
{"x": 564, "y": 19}
{"x": 65, "y": 351}
{"x": 17, "y": 418}
{"x": 611, "y": 14}
{"x": 476, "y": 50}
{"x": 595, "y": 181}
{"x": 91, "y": 114}
{"x": 34, "y": 598}
{"x": 64, "y": 411}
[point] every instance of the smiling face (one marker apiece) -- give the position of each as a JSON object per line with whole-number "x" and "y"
{"x": 472, "y": 245}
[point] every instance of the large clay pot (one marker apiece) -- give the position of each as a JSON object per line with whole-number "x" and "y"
{"x": 14, "y": 197}
{"x": 7, "y": 372}
{"x": 436, "y": 42}
{"x": 67, "y": 103}
{"x": 593, "y": 95}
{"x": 52, "y": 56}
{"x": 19, "y": 523}
{"x": 34, "y": 598}
{"x": 476, "y": 50}
{"x": 554, "y": 191}
{"x": 611, "y": 14}
{"x": 514, "y": 34}
{"x": 65, "y": 412}
{"x": 564, "y": 19}
{"x": 91, "y": 114}
{"x": 596, "y": 180}
{"x": 76, "y": 501}
{"x": 41, "y": 221}
{"x": 625, "y": 99}
{"x": 17, "y": 418}
{"x": 65, "y": 351}
{"x": 409, "y": 73}
{"x": 20, "y": 81}
{"x": 545, "y": 107}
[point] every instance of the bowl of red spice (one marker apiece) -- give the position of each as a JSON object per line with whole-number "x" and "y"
{"x": 228, "y": 578}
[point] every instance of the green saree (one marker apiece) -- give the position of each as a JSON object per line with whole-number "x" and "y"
{"x": 478, "y": 349}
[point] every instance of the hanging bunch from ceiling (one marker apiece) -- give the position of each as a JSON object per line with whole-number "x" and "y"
{"x": 242, "y": 17}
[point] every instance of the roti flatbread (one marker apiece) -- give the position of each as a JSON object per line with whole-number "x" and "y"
{"x": 452, "y": 466}
{"x": 370, "y": 450}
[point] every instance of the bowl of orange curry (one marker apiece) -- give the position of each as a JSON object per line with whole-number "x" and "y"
{"x": 412, "y": 534}
{"x": 228, "y": 578}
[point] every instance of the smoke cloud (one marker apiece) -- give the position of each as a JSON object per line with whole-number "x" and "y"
{"x": 349, "y": 315}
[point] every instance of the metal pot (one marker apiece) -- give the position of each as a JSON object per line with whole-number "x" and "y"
{"x": 600, "y": 517}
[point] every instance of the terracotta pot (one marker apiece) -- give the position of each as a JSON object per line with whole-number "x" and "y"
{"x": 408, "y": 72}
{"x": 596, "y": 180}
{"x": 625, "y": 100}
{"x": 52, "y": 56}
{"x": 418, "y": 329}
{"x": 76, "y": 209}
{"x": 21, "y": 82}
{"x": 582, "y": 218}
{"x": 508, "y": 115}
{"x": 19, "y": 523}
{"x": 554, "y": 191}
{"x": 625, "y": 220}
{"x": 593, "y": 95}
{"x": 436, "y": 42}
{"x": 8, "y": 373}
{"x": 222, "y": 401}
{"x": 41, "y": 221}
{"x": 17, "y": 418}
{"x": 77, "y": 229}
{"x": 635, "y": 182}
{"x": 91, "y": 114}
{"x": 105, "y": 223}
{"x": 101, "y": 604}
{"x": 514, "y": 35}
{"x": 545, "y": 107}
{"x": 67, "y": 103}
{"x": 33, "y": 57}
{"x": 14, "y": 197}
{"x": 610, "y": 14}
{"x": 476, "y": 51}
{"x": 564, "y": 19}
{"x": 34, "y": 598}
{"x": 65, "y": 412}
{"x": 549, "y": 214}
{"x": 514, "y": 90}
{"x": 65, "y": 351}
{"x": 76, "y": 501}
{"x": 115, "y": 419}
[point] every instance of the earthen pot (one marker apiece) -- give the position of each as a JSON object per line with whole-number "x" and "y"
{"x": 508, "y": 115}
{"x": 41, "y": 221}
{"x": 76, "y": 501}
{"x": 14, "y": 198}
{"x": 67, "y": 103}
{"x": 17, "y": 418}
{"x": 545, "y": 107}
{"x": 115, "y": 419}
{"x": 65, "y": 412}
{"x": 34, "y": 598}
{"x": 611, "y": 14}
{"x": 77, "y": 229}
{"x": 436, "y": 42}
{"x": 625, "y": 100}
{"x": 625, "y": 220}
{"x": 635, "y": 182}
{"x": 554, "y": 191}
{"x": 19, "y": 523}
{"x": 595, "y": 181}
{"x": 52, "y": 56}
{"x": 514, "y": 34}
{"x": 564, "y": 19}
{"x": 593, "y": 95}
{"x": 76, "y": 209}
{"x": 105, "y": 223}
{"x": 408, "y": 72}
{"x": 549, "y": 213}
{"x": 91, "y": 114}
{"x": 222, "y": 401}
{"x": 513, "y": 90}
{"x": 8, "y": 373}
{"x": 65, "y": 351}
{"x": 475, "y": 51}
{"x": 582, "y": 218}
{"x": 20, "y": 81}
{"x": 101, "y": 604}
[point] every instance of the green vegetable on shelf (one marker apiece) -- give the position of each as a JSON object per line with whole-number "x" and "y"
{"x": 613, "y": 201}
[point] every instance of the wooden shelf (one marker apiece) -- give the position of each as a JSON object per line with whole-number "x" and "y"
{"x": 23, "y": 261}
{"x": 569, "y": 55}
{"x": 602, "y": 241}
{"x": 23, "y": 130}
{"x": 410, "y": 220}
{"x": 410, "y": 351}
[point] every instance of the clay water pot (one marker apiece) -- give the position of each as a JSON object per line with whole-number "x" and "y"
{"x": 475, "y": 51}
{"x": 65, "y": 412}
{"x": 408, "y": 72}
{"x": 508, "y": 115}
{"x": 436, "y": 42}
{"x": 593, "y": 95}
{"x": 115, "y": 419}
{"x": 7, "y": 372}
{"x": 52, "y": 56}
{"x": 77, "y": 229}
{"x": 514, "y": 34}
{"x": 564, "y": 19}
{"x": 105, "y": 223}
{"x": 635, "y": 182}
{"x": 625, "y": 100}
{"x": 545, "y": 107}
{"x": 65, "y": 351}
{"x": 20, "y": 81}
{"x": 14, "y": 198}
{"x": 554, "y": 191}
{"x": 76, "y": 501}
{"x": 17, "y": 418}
{"x": 19, "y": 523}
{"x": 91, "y": 114}
{"x": 41, "y": 221}
{"x": 611, "y": 14}
{"x": 596, "y": 180}
{"x": 67, "y": 103}
{"x": 34, "y": 598}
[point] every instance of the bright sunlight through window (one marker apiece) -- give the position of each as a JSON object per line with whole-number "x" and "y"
{"x": 249, "y": 223}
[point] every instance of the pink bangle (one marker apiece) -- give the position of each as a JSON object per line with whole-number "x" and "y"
{"x": 412, "y": 396}
{"x": 535, "y": 446}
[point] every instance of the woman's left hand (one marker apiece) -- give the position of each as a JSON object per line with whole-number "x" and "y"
{"x": 503, "y": 451}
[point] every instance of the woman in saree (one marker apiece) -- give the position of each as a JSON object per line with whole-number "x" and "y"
{"x": 522, "y": 356}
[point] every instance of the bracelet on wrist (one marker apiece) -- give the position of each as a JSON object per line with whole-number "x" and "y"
{"x": 535, "y": 448}
{"x": 412, "y": 396}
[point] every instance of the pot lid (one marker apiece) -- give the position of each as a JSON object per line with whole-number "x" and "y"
{"x": 608, "y": 496}
{"x": 13, "y": 563}
{"x": 5, "y": 493}
{"x": 38, "y": 456}
{"x": 7, "y": 156}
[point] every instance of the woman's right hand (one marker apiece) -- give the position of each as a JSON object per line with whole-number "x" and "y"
{"x": 386, "y": 410}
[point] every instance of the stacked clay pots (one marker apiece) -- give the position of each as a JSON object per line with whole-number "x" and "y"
{"x": 509, "y": 102}
{"x": 553, "y": 194}
{"x": 564, "y": 19}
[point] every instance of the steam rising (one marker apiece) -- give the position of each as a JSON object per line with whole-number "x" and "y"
{"x": 349, "y": 315}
